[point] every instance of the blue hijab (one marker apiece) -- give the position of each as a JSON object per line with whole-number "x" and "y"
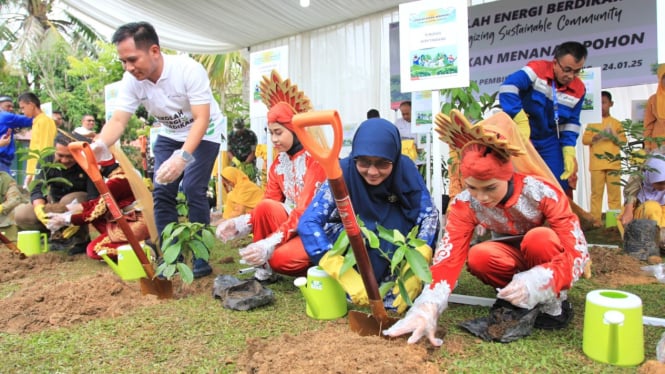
{"x": 395, "y": 203}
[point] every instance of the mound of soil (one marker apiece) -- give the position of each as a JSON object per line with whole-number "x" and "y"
{"x": 335, "y": 349}
{"x": 612, "y": 268}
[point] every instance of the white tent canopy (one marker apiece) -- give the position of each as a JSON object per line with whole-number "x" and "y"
{"x": 214, "y": 27}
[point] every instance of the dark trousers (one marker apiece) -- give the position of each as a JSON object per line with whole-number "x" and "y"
{"x": 194, "y": 179}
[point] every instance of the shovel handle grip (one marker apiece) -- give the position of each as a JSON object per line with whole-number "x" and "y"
{"x": 328, "y": 158}
{"x": 85, "y": 157}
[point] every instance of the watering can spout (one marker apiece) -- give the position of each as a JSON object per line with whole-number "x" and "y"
{"x": 128, "y": 266}
{"x": 324, "y": 297}
{"x": 301, "y": 283}
{"x": 109, "y": 261}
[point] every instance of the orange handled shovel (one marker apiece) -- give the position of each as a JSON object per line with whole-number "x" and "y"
{"x": 85, "y": 157}
{"x": 360, "y": 322}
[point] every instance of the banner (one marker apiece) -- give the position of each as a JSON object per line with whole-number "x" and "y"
{"x": 433, "y": 45}
{"x": 262, "y": 63}
{"x": 621, "y": 37}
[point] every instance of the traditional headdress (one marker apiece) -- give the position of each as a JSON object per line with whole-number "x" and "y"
{"x": 282, "y": 99}
{"x": 484, "y": 151}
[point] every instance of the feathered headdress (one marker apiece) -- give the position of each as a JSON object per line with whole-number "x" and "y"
{"x": 275, "y": 90}
{"x": 458, "y": 132}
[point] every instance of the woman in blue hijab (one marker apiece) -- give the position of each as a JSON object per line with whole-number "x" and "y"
{"x": 385, "y": 189}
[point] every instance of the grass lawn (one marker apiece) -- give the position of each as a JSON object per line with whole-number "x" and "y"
{"x": 195, "y": 334}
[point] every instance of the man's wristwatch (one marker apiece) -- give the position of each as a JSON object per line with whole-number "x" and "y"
{"x": 186, "y": 156}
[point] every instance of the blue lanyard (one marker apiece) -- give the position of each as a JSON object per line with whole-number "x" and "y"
{"x": 555, "y": 107}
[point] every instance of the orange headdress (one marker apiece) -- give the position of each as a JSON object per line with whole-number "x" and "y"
{"x": 282, "y": 99}
{"x": 485, "y": 154}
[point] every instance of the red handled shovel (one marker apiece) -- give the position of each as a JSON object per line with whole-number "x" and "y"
{"x": 85, "y": 157}
{"x": 360, "y": 322}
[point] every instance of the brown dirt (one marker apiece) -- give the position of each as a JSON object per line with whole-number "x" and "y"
{"x": 652, "y": 367}
{"x": 336, "y": 350}
{"x": 612, "y": 268}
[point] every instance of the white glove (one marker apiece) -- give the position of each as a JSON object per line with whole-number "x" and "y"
{"x": 172, "y": 168}
{"x": 258, "y": 253}
{"x": 58, "y": 220}
{"x": 423, "y": 316}
{"x": 74, "y": 207}
{"x": 233, "y": 228}
{"x": 101, "y": 151}
{"x": 529, "y": 288}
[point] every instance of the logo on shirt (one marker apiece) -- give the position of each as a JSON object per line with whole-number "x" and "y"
{"x": 177, "y": 121}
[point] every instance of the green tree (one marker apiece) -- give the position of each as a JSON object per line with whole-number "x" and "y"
{"x": 229, "y": 74}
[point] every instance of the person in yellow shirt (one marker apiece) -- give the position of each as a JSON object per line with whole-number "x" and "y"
{"x": 242, "y": 195}
{"x": 654, "y": 114}
{"x": 605, "y": 137}
{"x": 43, "y": 130}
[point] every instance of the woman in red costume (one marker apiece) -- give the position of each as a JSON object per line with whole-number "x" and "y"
{"x": 547, "y": 251}
{"x": 293, "y": 180}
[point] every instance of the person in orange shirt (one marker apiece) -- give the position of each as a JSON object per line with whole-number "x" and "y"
{"x": 605, "y": 137}
{"x": 654, "y": 113}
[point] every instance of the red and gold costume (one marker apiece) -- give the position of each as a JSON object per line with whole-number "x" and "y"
{"x": 293, "y": 180}
{"x": 95, "y": 212}
{"x": 559, "y": 248}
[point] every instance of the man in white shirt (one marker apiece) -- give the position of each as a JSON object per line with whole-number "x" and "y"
{"x": 87, "y": 129}
{"x": 174, "y": 89}
{"x": 403, "y": 123}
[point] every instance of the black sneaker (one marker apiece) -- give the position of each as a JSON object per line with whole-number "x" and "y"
{"x": 61, "y": 244}
{"x": 77, "y": 249}
{"x": 549, "y": 322}
{"x": 201, "y": 268}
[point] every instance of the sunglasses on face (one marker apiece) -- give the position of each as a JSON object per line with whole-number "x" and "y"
{"x": 381, "y": 164}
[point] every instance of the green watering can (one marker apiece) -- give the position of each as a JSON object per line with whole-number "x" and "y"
{"x": 613, "y": 328}
{"x": 128, "y": 267}
{"x": 324, "y": 297}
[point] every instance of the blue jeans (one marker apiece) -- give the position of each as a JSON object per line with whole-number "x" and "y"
{"x": 194, "y": 179}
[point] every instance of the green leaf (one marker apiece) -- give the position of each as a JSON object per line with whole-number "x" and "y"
{"x": 208, "y": 237}
{"x": 403, "y": 292}
{"x": 199, "y": 249}
{"x": 385, "y": 287}
{"x": 397, "y": 258}
{"x": 419, "y": 265}
{"x": 185, "y": 273}
{"x": 413, "y": 233}
{"x": 399, "y": 238}
{"x": 171, "y": 253}
{"x": 178, "y": 230}
{"x": 64, "y": 181}
{"x": 371, "y": 237}
{"x": 415, "y": 243}
{"x": 341, "y": 244}
{"x": 386, "y": 234}
{"x": 349, "y": 262}
{"x": 169, "y": 270}
{"x": 168, "y": 229}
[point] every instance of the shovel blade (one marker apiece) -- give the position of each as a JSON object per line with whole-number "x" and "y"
{"x": 367, "y": 325}
{"x": 162, "y": 288}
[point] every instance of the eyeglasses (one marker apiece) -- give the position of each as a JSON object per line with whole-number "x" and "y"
{"x": 381, "y": 164}
{"x": 568, "y": 69}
